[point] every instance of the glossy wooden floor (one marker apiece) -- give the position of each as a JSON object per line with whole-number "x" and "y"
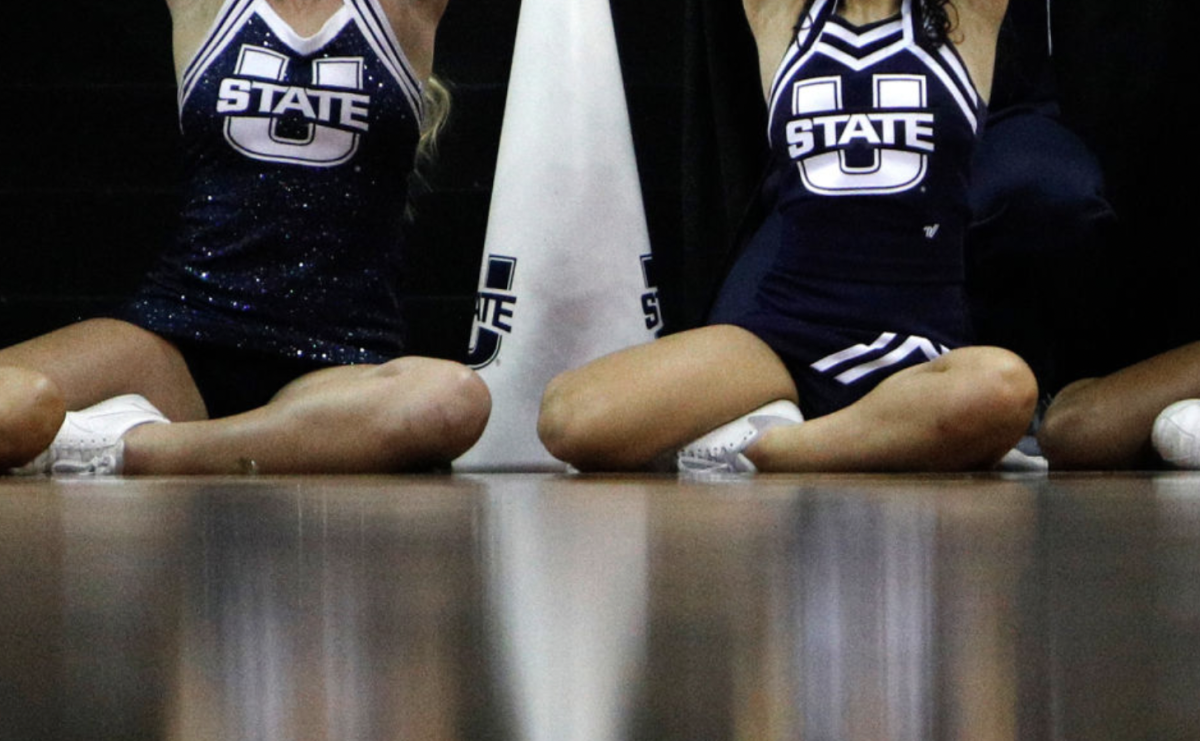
{"x": 555, "y": 608}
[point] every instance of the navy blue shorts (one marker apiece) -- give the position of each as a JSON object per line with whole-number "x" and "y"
{"x": 833, "y": 367}
{"x": 838, "y": 338}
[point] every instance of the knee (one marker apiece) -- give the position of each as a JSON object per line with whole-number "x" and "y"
{"x": 1006, "y": 390}
{"x": 569, "y": 414}
{"x": 995, "y": 405}
{"x": 31, "y": 412}
{"x": 1067, "y": 436}
{"x": 464, "y": 410}
{"x": 1055, "y": 436}
{"x": 446, "y": 404}
{"x": 555, "y": 418}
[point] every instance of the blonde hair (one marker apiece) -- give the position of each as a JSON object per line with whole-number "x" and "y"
{"x": 435, "y": 113}
{"x": 436, "y": 103}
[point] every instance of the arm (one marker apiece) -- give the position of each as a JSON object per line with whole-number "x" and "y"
{"x": 976, "y": 25}
{"x": 415, "y": 23}
{"x": 771, "y": 22}
{"x": 190, "y": 21}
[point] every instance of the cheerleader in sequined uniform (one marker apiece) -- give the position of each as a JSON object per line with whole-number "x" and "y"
{"x": 270, "y": 329}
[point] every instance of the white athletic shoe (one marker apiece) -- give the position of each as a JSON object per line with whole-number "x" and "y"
{"x": 1176, "y": 434}
{"x": 90, "y": 441}
{"x": 720, "y": 451}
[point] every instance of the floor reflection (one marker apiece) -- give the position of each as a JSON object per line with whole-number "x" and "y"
{"x": 1176, "y": 711}
{"x": 851, "y": 611}
{"x": 332, "y": 614}
{"x": 545, "y": 607}
{"x": 566, "y": 575}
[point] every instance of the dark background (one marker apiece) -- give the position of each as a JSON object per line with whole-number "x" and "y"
{"x": 88, "y": 143}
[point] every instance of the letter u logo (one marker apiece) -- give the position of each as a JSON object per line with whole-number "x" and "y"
{"x": 893, "y": 170}
{"x": 493, "y": 308}
{"x": 257, "y": 136}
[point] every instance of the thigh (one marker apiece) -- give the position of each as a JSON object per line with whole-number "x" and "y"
{"x": 973, "y": 396}
{"x": 625, "y": 409}
{"x": 835, "y": 366}
{"x": 839, "y": 338}
{"x": 961, "y": 411}
{"x": 324, "y": 377}
{"x": 413, "y": 375}
{"x": 407, "y": 412}
{"x": 101, "y": 358}
{"x": 233, "y": 380}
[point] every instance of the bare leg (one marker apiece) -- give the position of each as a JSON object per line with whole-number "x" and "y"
{"x": 1105, "y": 423}
{"x": 961, "y": 411}
{"x": 31, "y": 411}
{"x": 102, "y": 358}
{"x": 78, "y": 366}
{"x": 408, "y": 413}
{"x": 626, "y": 409}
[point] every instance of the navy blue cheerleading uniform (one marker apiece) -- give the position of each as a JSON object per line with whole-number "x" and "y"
{"x": 297, "y": 154}
{"x": 871, "y": 131}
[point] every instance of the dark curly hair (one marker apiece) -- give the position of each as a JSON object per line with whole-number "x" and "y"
{"x": 935, "y": 19}
{"x": 935, "y": 16}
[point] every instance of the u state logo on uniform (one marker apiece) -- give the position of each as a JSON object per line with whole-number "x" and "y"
{"x": 883, "y": 150}
{"x": 323, "y": 121}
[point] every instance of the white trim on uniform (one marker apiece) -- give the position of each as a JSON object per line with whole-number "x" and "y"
{"x": 959, "y": 83}
{"x": 947, "y": 66}
{"x": 366, "y": 14}
{"x": 866, "y": 38}
{"x": 230, "y": 18}
{"x": 789, "y": 62}
{"x": 967, "y": 107}
{"x": 378, "y": 31}
{"x": 910, "y": 345}
{"x": 304, "y": 45}
{"x": 858, "y": 64}
{"x": 853, "y": 352}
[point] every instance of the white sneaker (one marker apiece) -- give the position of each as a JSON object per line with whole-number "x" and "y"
{"x": 720, "y": 451}
{"x": 90, "y": 441}
{"x": 1176, "y": 434}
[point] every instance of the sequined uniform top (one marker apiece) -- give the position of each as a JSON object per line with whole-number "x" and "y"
{"x": 874, "y": 130}
{"x": 297, "y": 153}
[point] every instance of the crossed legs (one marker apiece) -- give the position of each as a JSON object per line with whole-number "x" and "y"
{"x": 77, "y": 366}
{"x": 408, "y": 413}
{"x": 962, "y": 411}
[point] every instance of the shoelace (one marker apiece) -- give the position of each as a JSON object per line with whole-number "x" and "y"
{"x": 35, "y": 467}
{"x": 714, "y": 460}
{"x": 723, "y": 459}
{"x": 689, "y": 464}
{"x": 719, "y": 451}
{"x": 728, "y": 457}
